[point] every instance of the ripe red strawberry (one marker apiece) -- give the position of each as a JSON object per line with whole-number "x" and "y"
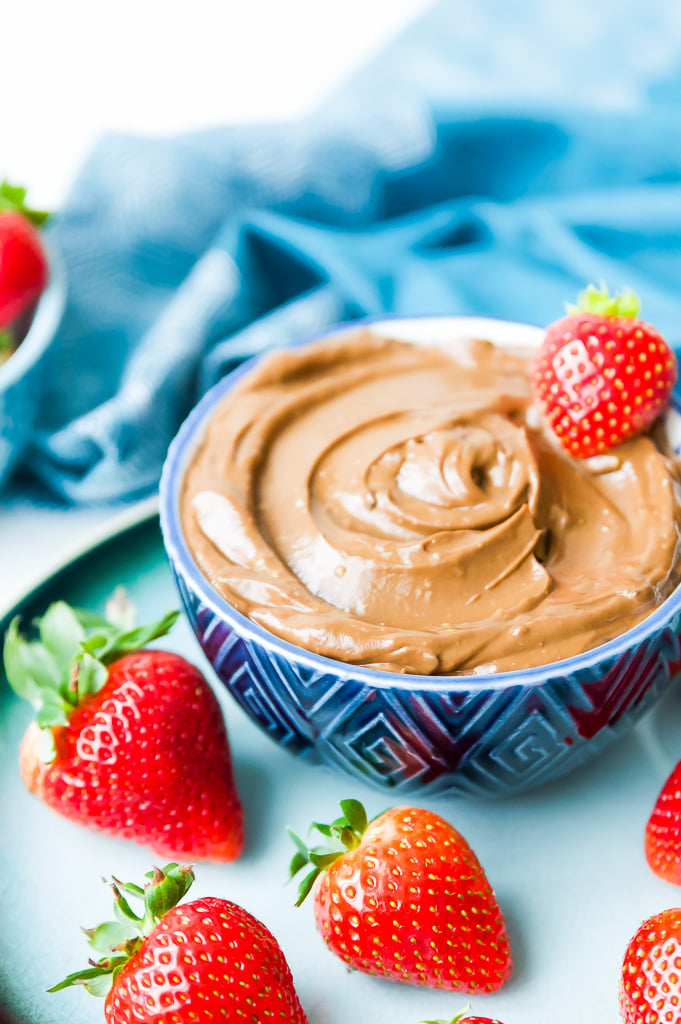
{"x": 209, "y": 960}
{"x": 405, "y": 897}
{"x": 128, "y": 741}
{"x": 650, "y": 990}
{"x": 23, "y": 263}
{"x": 601, "y": 374}
{"x": 663, "y": 831}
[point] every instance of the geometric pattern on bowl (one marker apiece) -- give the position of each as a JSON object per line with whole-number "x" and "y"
{"x": 484, "y": 741}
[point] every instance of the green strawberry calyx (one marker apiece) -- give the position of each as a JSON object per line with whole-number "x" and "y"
{"x": 462, "y": 1016}
{"x": 342, "y": 835}
{"x": 69, "y": 660}
{"x": 13, "y": 199}
{"x": 598, "y": 300}
{"x": 117, "y": 941}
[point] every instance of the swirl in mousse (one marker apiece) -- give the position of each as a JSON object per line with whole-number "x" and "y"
{"x": 401, "y": 507}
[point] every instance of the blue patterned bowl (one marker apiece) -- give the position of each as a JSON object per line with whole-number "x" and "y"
{"x": 479, "y": 734}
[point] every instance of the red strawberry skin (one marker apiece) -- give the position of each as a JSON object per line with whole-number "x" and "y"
{"x": 146, "y": 758}
{"x": 23, "y": 266}
{"x": 663, "y": 831}
{"x": 412, "y": 903}
{"x": 208, "y": 960}
{"x": 601, "y": 379}
{"x": 479, "y": 1020}
{"x": 650, "y": 990}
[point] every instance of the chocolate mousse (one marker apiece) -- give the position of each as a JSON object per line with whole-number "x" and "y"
{"x": 402, "y": 507}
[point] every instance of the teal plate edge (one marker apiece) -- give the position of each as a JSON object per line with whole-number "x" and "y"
{"x": 136, "y": 534}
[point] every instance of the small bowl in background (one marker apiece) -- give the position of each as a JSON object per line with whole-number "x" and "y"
{"x": 21, "y": 373}
{"x": 491, "y": 734}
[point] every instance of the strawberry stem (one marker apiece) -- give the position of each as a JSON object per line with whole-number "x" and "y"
{"x": 599, "y": 300}
{"x": 69, "y": 660}
{"x": 119, "y": 940}
{"x": 343, "y": 834}
{"x": 12, "y": 198}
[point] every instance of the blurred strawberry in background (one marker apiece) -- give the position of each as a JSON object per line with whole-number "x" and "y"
{"x": 23, "y": 265}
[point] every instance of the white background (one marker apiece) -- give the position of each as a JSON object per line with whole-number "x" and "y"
{"x": 73, "y": 69}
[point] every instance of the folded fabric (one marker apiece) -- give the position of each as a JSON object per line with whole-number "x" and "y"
{"x": 491, "y": 161}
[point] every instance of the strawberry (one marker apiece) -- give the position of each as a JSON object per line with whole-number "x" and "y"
{"x": 208, "y": 960}
{"x": 601, "y": 374}
{"x": 405, "y": 897}
{"x": 23, "y": 263}
{"x": 650, "y": 989}
{"x": 128, "y": 741}
{"x": 663, "y": 831}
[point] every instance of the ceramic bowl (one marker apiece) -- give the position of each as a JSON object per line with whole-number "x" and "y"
{"x": 480, "y": 735}
{"x": 20, "y": 375}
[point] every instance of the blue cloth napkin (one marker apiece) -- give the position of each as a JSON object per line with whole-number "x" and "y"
{"x": 494, "y": 159}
